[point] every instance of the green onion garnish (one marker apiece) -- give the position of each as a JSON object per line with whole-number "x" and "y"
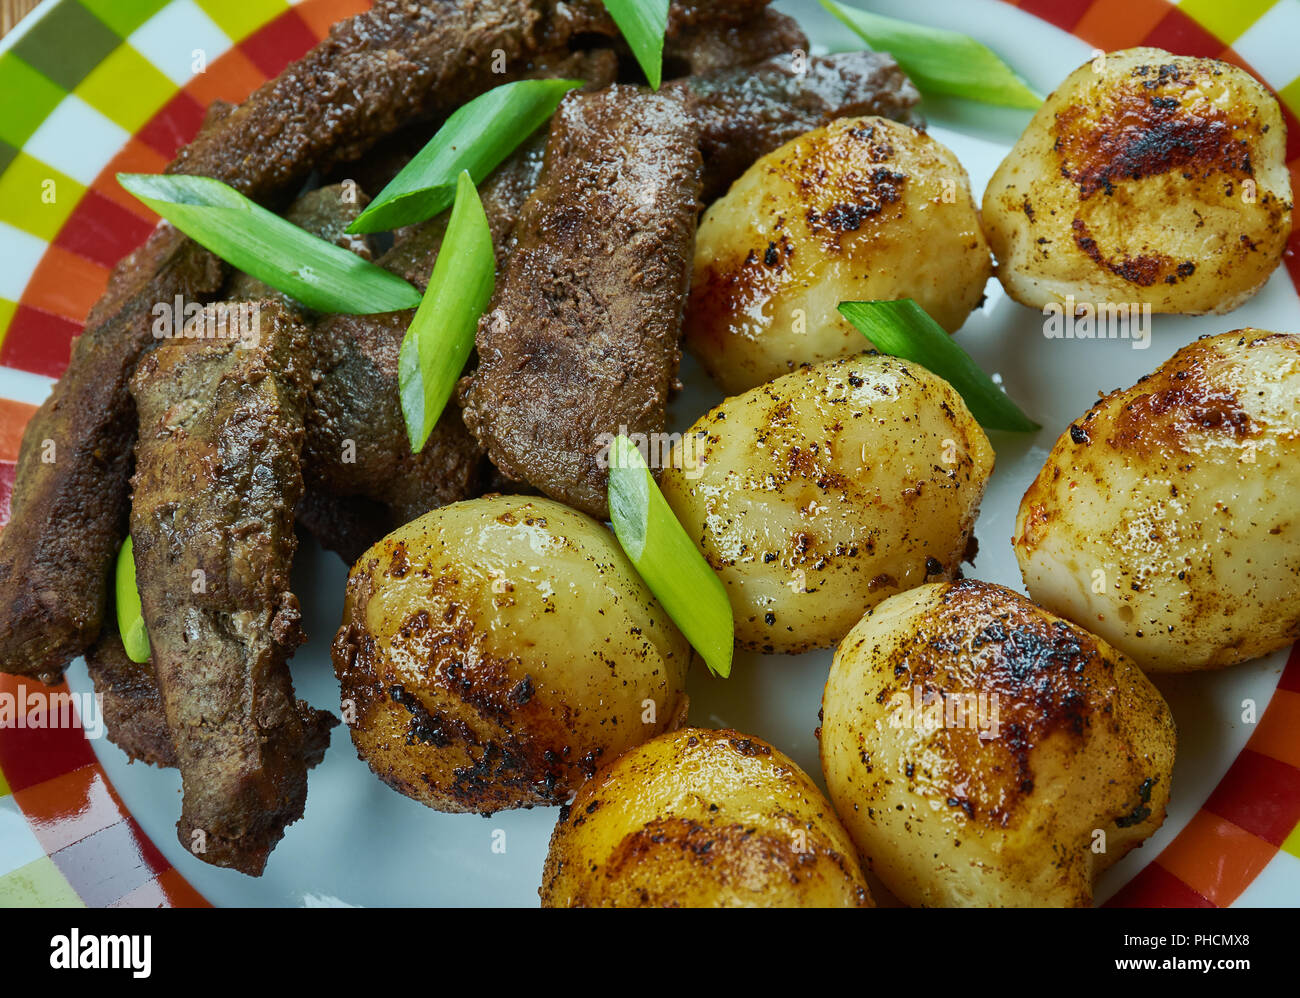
{"x": 664, "y": 557}
{"x": 317, "y": 273}
{"x": 130, "y": 619}
{"x": 438, "y": 341}
{"x": 939, "y": 61}
{"x": 477, "y": 137}
{"x": 904, "y": 329}
{"x": 642, "y": 24}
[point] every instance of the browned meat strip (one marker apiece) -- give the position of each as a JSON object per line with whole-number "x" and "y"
{"x": 396, "y": 63}
{"x": 356, "y": 437}
{"x": 134, "y": 718}
{"x": 581, "y": 338}
{"x": 68, "y": 511}
{"x": 216, "y": 483}
{"x": 712, "y": 47}
{"x": 69, "y": 500}
{"x": 744, "y": 113}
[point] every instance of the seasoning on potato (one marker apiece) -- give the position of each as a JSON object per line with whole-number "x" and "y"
{"x": 984, "y": 753}
{"x": 1145, "y": 179}
{"x": 702, "y": 819}
{"x": 823, "y": 492}
{"x": 1165, "y": 518}
{"x": 862, "y": 209}
{"x": 495, "y": 652}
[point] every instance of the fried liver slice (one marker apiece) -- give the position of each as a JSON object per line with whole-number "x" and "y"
{"x": 581, "y": 337}
{"x": 216, "y": 483}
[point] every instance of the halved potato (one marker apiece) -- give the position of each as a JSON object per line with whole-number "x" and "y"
{"x": 1146, "y": 178}
{"x": 1165, "y": 518}
{"x": 495, "y": 652}
{"x": 701, "y": 819}
{"x": 985, "y": 753}
{"x": 864, "y": 208}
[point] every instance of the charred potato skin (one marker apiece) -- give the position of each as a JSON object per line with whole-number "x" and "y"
{"x": 862, "y": 209}
{"x": 950, "y": 818}
{"x": 495, "y": 652}
{"x": 1130, "y": 185}
{"x": 701, "y": 818}
{"x": 1181, "y": 492}
{"x": 827, "y": 490}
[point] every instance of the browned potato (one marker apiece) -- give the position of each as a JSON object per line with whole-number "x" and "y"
{"x": 701, "y": 819}
{"x": 823, "y": 492}
{"x": 1165, "y": 518}
{"x": 985, "y": 753}
{"x": 864, "y": 208}
{"x": 1145, "y": 179}
{"x": 495, "y": 652}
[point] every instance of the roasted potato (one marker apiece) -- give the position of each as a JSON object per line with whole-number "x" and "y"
{"x": 985, "y": 753}
{"x": 864, "y": 208}
{"x": 1148, "y": 179}
{"x": 495, "y": 652}
{"x": 1166, "y": 518}
{"x": 823, "y": 492}
{"x": 701, "y": 819}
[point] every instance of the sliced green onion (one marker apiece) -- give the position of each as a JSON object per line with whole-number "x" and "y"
{"x": 904, "y": 329}
{"x": 317, "y": 273}
{"x": 476, "y": 138}
{"x": 438, "y": 341}
{"x": 940, "y": 61}
{"x": 663, "y": 555}
{"x": 643, "y": 24}
{"x": 130, "y": 618}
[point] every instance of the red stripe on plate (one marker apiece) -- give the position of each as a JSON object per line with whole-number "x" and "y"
{"x": 1259, "y": 794}
{"x": 1062, "y": 13}
{"x": 1156, "y": 887}
{"x": 173, "y": 126}
{"x": 102, "y": 230}
{"x": 30, "y": 756}
{"x": 38, "y": 342}
{"x": 1181, "y": 35}
{"x": 282, "y": 41}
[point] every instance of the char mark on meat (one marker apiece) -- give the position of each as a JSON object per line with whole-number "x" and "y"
{"x": 216, "y": 483}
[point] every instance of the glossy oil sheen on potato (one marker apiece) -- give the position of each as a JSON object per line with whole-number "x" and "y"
{"x": 494, "y": 652}
{"x": 827, "y": 490}
{"x": 1146, "y": 178}
{"x": 984, "y": 753}
{"x": 865, "y": 208}
{"x": 702, "y": 819}
{"x": 1166, "y": 518}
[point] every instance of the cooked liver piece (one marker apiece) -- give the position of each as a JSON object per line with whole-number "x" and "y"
{"x": 581, "y": 337}
{"x": 216, "y": 483}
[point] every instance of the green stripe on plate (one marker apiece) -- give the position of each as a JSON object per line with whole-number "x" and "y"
{"x": 28, "y": 202}
{"x": 7, "y": 155}
{"x": 1290, "y": 95}
{"x": 126, "y": 88}
{"x": 1292, "y": 842}
{"x": 4, "y": 321}
{"x": 39, "y": 96}
{"x": 67, "y": 43}
{"x": 239, "y": 20}
{"x": 124, "y": 16}
{"x": 1226, "y": 21}
{"x": 39, "y": 884}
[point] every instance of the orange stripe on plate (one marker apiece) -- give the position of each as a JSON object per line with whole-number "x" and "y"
{"x": 1113, "y": 24}
{"x": 231, "y": 78}
{"x": 135, "y": 157}
{"x": 1278, "y": 732}
{"x": 1216, "y": 858}
{"x": 66, "y": 284}
{"x": 321, "y": 14}
{"x": 13, "y": 420}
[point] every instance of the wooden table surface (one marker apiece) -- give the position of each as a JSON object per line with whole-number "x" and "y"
{"x": 11, "y": 11}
